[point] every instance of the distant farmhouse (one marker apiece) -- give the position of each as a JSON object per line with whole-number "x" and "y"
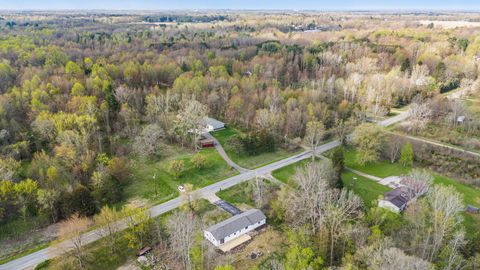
{"x": 212, "y": 124}
{"x": 233, "y": 231}
{"x": 395, "y": 200}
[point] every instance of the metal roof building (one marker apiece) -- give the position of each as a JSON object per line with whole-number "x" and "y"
{"x": 212, "y": 124}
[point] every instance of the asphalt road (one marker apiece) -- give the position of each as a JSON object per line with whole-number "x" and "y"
{"x": 31, "y": 260}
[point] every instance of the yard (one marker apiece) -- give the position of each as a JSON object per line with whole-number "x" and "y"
{"x": 270, "y": 242}
{"x": 247, "y": 161}
{"x": 238, "y": 195}
{"x": 381, "y": 169}
{"x": 141, "y": 187}
{"x": 365, "y": 188}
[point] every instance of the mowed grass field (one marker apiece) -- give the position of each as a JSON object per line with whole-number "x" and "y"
{"x": 142, "y": 185}
{"x": 244, "y": 160}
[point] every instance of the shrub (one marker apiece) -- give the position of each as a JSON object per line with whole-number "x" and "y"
{"x": 176, "y": 167}
{"x": 406, "y": 156}
{"x": 199, "y": 161}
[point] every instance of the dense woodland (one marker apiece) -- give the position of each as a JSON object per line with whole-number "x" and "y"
{"x": 80, "y": 94}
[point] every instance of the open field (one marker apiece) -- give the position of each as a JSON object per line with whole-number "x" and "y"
{"x": 142, "y": 187}
{"x": 247, "y": 161}
{"x": 381, "y": 169}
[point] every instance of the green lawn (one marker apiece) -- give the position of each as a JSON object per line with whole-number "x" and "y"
{"x": 365, "y": 188}
{"x": 244, "y": 160}
{"x": 238, "y": 194}
{"x": 284, "y": 174}
{"x": 142, "y": 186}
{"x": 381, "y": 169}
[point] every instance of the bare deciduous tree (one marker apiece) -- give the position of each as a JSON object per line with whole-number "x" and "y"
{"x": 72, "y": 231}
{"x": 394, "y": 147}
{"x": 147, "y": 142}
{"x": 258, "y": 189}
{"x": 107, "y": 220}
{"x": 341, "y": 207}
{"x": 420, "y": 113}
{"x": 182, "y": 227}
{"x": 304, "y": 204}
{"x": 189, "y": 120}
{"x": 393, "y": 258}
{"x": 418, "y": 182}
{"x": 314, "y": 135}
{"x": 446, "y": 205}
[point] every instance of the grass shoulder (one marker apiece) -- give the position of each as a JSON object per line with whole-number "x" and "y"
{"x": 249, "y": 161}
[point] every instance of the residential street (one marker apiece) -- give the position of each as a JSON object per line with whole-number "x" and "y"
{"x": 31, "y": 260}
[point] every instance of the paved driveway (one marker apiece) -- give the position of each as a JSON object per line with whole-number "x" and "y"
{"x": 231, "y": 209}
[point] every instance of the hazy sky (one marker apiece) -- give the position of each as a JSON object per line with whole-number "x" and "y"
{"x": 244, "y": 4}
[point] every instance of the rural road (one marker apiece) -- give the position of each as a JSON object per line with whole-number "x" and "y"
{"x": 31, "y": 260}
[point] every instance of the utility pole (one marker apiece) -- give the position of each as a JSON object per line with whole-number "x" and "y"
{"x": 155, "y": 184}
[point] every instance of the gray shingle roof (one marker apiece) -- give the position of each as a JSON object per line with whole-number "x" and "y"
{"x": 236, "y": 223}
{"x": 399, "y": 197}
{"x": 213, "y": 122}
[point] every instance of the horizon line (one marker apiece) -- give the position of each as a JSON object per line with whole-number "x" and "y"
{"x": 424, "y": 10}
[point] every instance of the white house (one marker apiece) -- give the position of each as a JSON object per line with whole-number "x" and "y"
{"x": 234, "y": 227}
{"x": 212, "y": 124}
{"x": 395, "y": 200}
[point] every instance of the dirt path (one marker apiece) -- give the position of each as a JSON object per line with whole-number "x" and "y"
{"x": 368, "y": 176}
{"x": 437, "y": 143}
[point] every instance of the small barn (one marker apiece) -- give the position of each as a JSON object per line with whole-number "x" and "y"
{"x": 206, "y": 143}
{"x": 234, "y": 227}
{"x": 395, "y": 200}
